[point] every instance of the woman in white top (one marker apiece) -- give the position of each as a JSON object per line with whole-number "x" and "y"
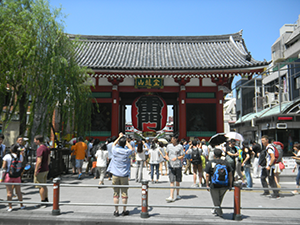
{"x": 163, "y": 161}
{"x": 140, "y": 159}
{"x": 7, "y": 159}
{"x": 102, "y": 158}
{"x": 154, "y": 155}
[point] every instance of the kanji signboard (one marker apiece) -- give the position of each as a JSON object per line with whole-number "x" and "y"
{"x": 148, "y": 82}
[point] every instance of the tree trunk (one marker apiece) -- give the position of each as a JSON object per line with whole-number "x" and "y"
{"x": 22, "y": 114}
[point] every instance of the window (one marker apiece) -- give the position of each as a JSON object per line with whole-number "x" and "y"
{"x": 297, "y": 83}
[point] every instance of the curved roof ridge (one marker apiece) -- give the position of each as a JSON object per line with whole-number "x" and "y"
{"x": 211, "y": 38}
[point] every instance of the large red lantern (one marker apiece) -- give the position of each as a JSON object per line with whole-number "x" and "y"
{"x": 149, "y": 113}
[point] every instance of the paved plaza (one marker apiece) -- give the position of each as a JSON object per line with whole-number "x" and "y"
{"x": 160, "y": 213}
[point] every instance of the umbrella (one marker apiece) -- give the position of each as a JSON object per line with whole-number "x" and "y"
{"x": 217, "y": 139}
{"x": 234, "y": 135}
{"x": 72, "y": 141}
{"x": 164, "y": 141}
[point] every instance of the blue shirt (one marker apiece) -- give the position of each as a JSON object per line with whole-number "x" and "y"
{"x": 109, "y": 149}
{"x": 2, "y": 149}
{"x": 120, "y": 163}
{"x": 187, "y": 156}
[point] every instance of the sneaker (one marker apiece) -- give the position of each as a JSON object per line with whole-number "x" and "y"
{"x": 9, "y": 209}
{"x": 79, "y": 176}
{"x": 116, "y": 213}
{"x": 169, "y": 199}
{"x": 265, "y": 194}
{"x": 213, "y": 211}
{"x": 23, "y": 207}
{"x": 178, "y": 197}
{"x": 195, "y": 185}
{"x": 275, "y": 197}
{"x": 294, "y": 192}
{"x": 125, "y": 213}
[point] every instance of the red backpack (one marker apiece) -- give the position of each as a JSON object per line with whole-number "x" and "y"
{"x": 278, "y": 147}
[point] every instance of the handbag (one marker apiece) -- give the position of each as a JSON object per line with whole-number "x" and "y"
{"x": 281, "y": 166}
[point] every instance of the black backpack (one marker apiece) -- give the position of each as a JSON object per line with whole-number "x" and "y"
{"x": 15, "y": 169}
{"x": 262, "y": 161}
{"x": 195, "y": 156}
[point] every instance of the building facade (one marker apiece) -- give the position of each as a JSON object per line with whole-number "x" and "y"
{"x": 190, "y": 73}
{"x": 276, "y": 102}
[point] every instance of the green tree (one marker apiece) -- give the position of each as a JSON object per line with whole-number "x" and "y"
{"x": 38, "y": 65}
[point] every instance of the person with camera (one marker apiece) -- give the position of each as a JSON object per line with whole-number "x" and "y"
{"x": 120, "y": 169}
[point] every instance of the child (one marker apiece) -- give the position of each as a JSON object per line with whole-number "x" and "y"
{"x": 102, "y": 158}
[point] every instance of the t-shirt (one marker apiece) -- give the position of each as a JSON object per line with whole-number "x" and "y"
{"x": 270, "y": 150}
{"x": 154, "y": 156}
{"x": 109, "y": 149}
{"x": 140, "y": 156}
{"x": 80, "y": 149}
{"x": 205, "y": 150}
{"x": 101, "y": 156}
{"x": 120, "y": 162}
{"x": 256, "y": 149}
{"x": 89, "y": 147}
{"x": 174, "y": 152}
{"x": 209, "y": 169}
{"x": 8, "y": 160}
{"x": 73, "y": 150}
{"x": 44, "y": 152}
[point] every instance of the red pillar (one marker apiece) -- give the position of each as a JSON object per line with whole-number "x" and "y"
{"x": 182, "y": 112}
{"x": 219, "y": 111}
{"x": 115, "y": 111}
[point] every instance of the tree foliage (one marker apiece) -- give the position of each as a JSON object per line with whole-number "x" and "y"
{"x": 38, "y": 66}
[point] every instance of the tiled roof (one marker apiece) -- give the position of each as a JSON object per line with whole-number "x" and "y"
{"x": 152, "y": 53}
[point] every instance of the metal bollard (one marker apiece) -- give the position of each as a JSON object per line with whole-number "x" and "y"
{"x": 237, "y": 201}
{"x": 56, "y": 210}
{"x": 144, "y": 213}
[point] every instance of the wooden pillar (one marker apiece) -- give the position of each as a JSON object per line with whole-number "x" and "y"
{"x": 219, "y": 113}
{"x": 182, "y": 112}
{"x": 182, "y": 106}
{"x": 115, "y": 111}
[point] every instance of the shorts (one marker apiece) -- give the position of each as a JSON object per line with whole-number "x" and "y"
{"x": 277, "y": 169}
{"x": 197, "y": 168}
{"x": 175, "y": 174}
{"x": 41, "y": 178}
{"x": 79, "y": 163}
{"x": 120, "y": 181}
{"x": 9, "y": 179}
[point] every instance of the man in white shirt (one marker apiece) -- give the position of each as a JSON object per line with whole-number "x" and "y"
{"x": 268, "y": 171}
{"x": 174, "y": 154}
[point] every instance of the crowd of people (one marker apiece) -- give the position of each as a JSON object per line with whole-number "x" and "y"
{"x": 213, "y": 166}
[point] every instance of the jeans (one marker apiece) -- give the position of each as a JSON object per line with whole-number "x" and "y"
{"x": 139, "y": 170}
{"x": 248, "y": 176}
{"x": 298, "y": 177}
{"x": 270, "y": 174}
{"x": 152, "y": 171}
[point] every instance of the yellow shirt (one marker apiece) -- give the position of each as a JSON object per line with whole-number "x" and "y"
{"x": 80, "y": 149}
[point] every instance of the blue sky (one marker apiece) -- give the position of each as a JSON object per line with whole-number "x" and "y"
{"x": 260, "y": 20}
